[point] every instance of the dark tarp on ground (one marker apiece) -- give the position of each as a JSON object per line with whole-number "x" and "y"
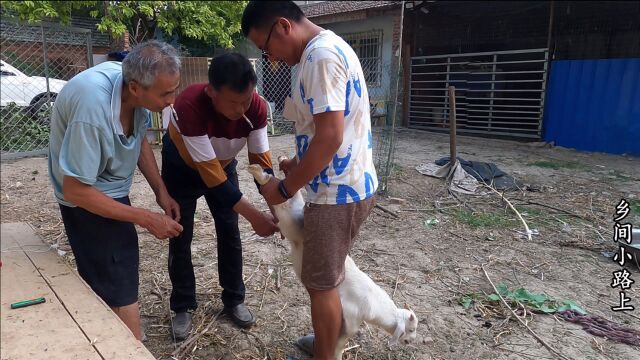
{"x": 485, "y": 173}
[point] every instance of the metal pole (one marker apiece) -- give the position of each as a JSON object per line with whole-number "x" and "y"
{"x": 543, "y": 93}
{"x": 89, "y": 51}
{"x": 46, "y": 62}
{"x": 395, "y": 103}
{"x": 452, "y": 124}
{"x": 548, "y": 55}
{"x": 550, "y": 30}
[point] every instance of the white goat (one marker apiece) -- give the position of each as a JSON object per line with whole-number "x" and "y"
{"x": 362, "y": 300}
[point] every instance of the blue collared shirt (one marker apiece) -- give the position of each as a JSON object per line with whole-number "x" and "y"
{"x": 87, "y": 140}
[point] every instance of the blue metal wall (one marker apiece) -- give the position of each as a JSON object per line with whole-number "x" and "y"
{"x": 594, "y": 105}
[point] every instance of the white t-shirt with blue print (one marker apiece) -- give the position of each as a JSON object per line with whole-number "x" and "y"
{"x": 330, "y": 78}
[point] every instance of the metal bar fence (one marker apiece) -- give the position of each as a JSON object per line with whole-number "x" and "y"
{"x": 498, "y": 93}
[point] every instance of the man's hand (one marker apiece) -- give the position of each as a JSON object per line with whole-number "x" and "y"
{"x": 271, "y": 193}
{"x": 286, "y": 165}
{"x": 160, "y": 225}
{"x": 275, "y": 217}
{"x": 264, "y": 224}
{"x": 169, "y": 205}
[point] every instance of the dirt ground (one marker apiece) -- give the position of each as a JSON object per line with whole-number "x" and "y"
{"x": 425, "y": 264}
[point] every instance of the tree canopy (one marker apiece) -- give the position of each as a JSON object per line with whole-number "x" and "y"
{"x": 210, "y": 21}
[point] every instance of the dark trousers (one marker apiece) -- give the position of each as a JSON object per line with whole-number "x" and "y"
{"x": 185, "y": 186}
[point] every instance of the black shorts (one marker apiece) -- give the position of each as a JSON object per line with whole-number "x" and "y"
{"x": 106, "y": 253}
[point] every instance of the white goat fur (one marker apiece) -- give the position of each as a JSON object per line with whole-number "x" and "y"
{"x": 362, "y": 300}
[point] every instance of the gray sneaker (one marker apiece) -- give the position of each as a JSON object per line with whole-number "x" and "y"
{"x": 305, "y": 343}
{"x": 181, "y": 325}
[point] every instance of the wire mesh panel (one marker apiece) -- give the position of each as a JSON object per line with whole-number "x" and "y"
{"x": 36, "y": 62}
{"x": 274, "y": 85}
{"x": 382, "y": 98}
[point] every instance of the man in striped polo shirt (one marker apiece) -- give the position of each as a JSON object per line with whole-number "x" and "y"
{"x": 209, "y": 127}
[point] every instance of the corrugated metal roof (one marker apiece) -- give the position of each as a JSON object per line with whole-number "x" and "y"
{"x": 339, "y": 7}
{"x": 594, "y": 105}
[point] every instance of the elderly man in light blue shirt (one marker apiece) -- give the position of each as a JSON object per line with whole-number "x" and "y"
{"x": 97, "y": 139}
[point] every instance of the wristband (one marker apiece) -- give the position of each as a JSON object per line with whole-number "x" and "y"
{"x": 283, "y": 190}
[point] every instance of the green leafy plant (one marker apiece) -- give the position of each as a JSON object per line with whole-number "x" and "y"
{"x": 212, "y": 21}
{"x": 541, "y": 303}
{"x": 21, "y": 131}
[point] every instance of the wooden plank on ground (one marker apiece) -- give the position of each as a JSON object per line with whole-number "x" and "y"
{"x": 44, "y": 331}
{"x": 109, "y": 335}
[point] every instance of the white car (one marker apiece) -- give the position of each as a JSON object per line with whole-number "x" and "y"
{"x": 27, "y": 91}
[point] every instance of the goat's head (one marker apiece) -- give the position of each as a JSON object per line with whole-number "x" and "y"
{"x": 406, "y": 329}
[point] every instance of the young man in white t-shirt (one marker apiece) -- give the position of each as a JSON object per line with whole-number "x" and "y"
{"x": 330, "y": 106}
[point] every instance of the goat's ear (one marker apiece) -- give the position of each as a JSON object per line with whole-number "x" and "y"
{"x": 411, "y": 317}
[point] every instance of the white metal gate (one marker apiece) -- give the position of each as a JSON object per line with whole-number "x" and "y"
{"x": 497, "y": 93}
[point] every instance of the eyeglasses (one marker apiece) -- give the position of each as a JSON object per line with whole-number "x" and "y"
{"x": 265, "y": 53}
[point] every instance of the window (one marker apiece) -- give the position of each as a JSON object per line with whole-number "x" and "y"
{"x": 368, "y": 47}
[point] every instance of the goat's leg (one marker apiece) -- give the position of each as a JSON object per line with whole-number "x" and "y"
{"x": 342, "y": 342}
{"x": 349, "y": 329}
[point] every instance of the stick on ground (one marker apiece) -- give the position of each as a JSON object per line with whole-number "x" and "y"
{"x": 384, "y": 209}
{"x": 526, "y": 227}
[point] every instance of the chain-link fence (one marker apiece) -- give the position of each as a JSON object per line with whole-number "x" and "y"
{"x": 383, "y": 104}
{"x": 274, "y": 85}
{"x": 37, "y": 61}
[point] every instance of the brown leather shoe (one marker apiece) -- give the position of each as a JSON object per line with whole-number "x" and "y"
{"x": 241, "y": 315}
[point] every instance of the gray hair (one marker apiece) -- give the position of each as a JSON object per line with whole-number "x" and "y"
{"x": 147, "y": 59}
